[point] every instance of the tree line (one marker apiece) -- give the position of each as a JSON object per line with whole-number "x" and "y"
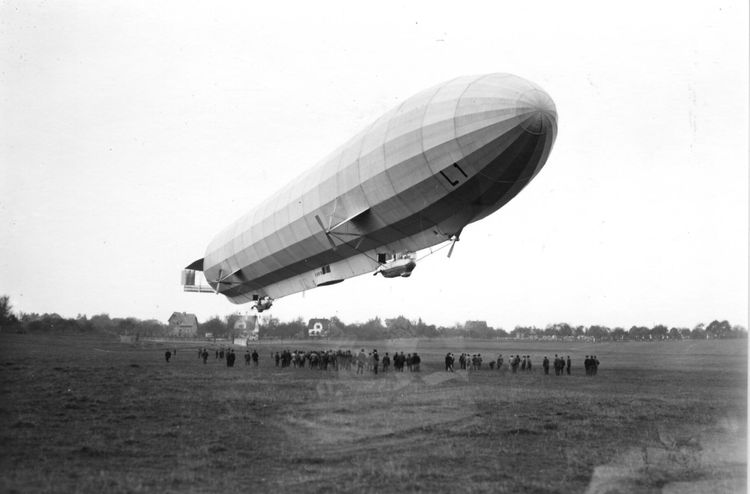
{"x": 372, "y": 329}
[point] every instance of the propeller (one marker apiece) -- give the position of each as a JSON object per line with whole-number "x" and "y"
{"x": 454, "y": 239}
{"x": 220, "y": 281}
{"x": 326, "y": 231}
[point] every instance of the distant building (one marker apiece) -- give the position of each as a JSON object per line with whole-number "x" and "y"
{"x": 246, "y": 327}
{"x": 476, "y": 326}
{"x": 183, "y": 324}
{"x": 317, "y": 327}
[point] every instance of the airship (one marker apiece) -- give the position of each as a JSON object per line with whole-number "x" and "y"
{"x": 410, "y": 181}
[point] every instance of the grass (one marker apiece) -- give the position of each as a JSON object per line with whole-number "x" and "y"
{"x": 90, "y": 414}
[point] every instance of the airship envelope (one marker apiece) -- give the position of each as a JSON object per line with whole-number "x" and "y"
{"x": 412, "y": 179}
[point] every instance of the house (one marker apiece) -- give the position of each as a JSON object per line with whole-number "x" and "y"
{"x": 317, "y": 327}
{"x": 183, "y": 324}
{"x": 246, "y": 327}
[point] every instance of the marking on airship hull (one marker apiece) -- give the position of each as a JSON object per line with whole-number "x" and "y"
{"x": 454, "y": 182}
{"x": 459, "y": 169}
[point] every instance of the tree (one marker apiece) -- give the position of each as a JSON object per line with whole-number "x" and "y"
{"x": 739, "y": 331}
{"x": 151, "y": 327}
{"x": 7, "y": 318}
{"x": 231, "y": 321}
{"x": 215, "y": 326}
{"x": 619, "y": 334}
{"x": 501, "y": 333}
{"x": 718, "y": 329}
{"x": 523, "y": 331}
{"x": 425, "y": 330}
{"x": 560, "y": 329}
{"x": 598, "y": 332}
{"x": 286, "y": 330}
{"x": 698, "y": 332}
{"x": 479, "y": 329}
{"x": 659, "y": 332}
{"x": 102, "y": 322}
{"x": 127, "y": 326}
{"x": 639, "y": 333}
{"x": 336, "y": 328}
{"x": 373, "y": 329}
{"x": 399, "y": 327}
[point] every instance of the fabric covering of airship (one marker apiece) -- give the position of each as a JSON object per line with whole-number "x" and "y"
{"x": 414, "y": 178}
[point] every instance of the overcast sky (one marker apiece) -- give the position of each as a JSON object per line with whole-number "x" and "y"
{"x": 132, "y": 132}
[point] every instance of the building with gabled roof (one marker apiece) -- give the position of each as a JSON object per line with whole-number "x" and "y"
{"x": 317, "y": 327}
{"x": 183, "y": 324}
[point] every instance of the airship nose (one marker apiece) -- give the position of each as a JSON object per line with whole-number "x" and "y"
{"x": 537, "y": 110}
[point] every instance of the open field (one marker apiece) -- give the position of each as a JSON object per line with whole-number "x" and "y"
{"x": 90, "y": 414}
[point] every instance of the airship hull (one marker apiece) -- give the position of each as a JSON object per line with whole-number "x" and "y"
{"x": 418, "y": 175}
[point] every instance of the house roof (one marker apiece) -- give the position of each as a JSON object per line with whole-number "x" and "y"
{"x": 312, "y": 322}
{"x": 183, "y": 318}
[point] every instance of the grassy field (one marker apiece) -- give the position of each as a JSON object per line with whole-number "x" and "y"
{"x": 91, "y": 414}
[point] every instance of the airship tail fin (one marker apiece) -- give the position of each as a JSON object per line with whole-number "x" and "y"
{"x": 196, "y": 265}
{"x": 188, "y": 278}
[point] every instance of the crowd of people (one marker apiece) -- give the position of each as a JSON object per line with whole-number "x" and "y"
{"x": 519, "y": 363}
{"x": 591, "y": 364}
{"x": 372, "y": 362}
{"x": 361, "y": 361}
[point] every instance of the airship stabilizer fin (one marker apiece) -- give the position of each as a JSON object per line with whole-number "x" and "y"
{"x": 335, "y": 231}
{"x": 189, "y": 280}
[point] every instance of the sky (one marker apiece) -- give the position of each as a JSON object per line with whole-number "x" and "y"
{"x": 132, "y": 132}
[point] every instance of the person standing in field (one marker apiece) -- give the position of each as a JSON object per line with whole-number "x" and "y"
{"x": 386, "y": 362}
{"x": 205, "y": 356}
{"x": 375, "y": 361}
{"x": 448, "y": 362}
{"x": 567, "y": 365}
{"x": 545, "y": 365}
{"x": 167, "y": 355}
{"x": 361, "y": 361}
{"x": 255, "y": 358}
